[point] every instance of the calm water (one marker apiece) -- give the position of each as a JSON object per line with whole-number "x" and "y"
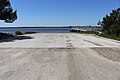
{"x": 42, "y": 29}
{"x": 34, "y": 29}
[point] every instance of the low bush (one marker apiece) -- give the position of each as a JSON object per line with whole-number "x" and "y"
{"x": 18, "y": 33}
{"x": 87, "y": 32}
{"x": 30, "y": 32}
{"x": 113, "y": 32}
{"x": 6, "y": 36}
{"x": 113, "y": 36}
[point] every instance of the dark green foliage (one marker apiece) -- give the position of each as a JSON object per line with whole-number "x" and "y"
{"x": 18, "y": 33}
{"x": 5, "y": 36}
{"x": 111, "y": 25}
{"x": 6, "y": 12}
{"x": 88, "y": 32}
{"x": 99, "y": 23}
{"x": 30, "y": 32}
{"x": 112, "y": 19}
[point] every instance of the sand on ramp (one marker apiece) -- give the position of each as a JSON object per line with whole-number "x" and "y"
{"x": 61, "y": 40}
{"x": 60, "y": 56}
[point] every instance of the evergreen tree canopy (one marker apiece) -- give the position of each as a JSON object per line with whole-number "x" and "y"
{"x": 112, "y": 19}
{"x": 111, "y": 24}
{"x": 6, "y": 12}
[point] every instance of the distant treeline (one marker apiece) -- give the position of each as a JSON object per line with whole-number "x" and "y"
{"x": 85, "y": 26}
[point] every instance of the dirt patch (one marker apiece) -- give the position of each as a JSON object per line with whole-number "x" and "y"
{"x": 109, "y": 53}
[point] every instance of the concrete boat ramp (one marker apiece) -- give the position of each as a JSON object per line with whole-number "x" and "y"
{"x": 60, "y": 56}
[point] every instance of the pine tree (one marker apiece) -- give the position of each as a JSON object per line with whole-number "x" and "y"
{"x": 6, "y": 12}
{"x": 111, "y": 24}
{"x": 112, "y": 19}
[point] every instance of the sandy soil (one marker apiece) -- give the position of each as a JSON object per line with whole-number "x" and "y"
{"x": 60, "y": 56}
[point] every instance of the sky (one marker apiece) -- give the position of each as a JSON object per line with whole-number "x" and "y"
{"x": 60, "y": 12}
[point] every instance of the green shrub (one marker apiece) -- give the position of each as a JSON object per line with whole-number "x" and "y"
{"x": 18, "y": 33}
{"x": 87, "y": 32}
{"x": 30, "y": 32}
{"x": 6, "y": 36}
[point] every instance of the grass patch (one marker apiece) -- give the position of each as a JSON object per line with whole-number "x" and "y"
{"x": 30, "y": 32}
{"x": 110, "y": 37}
{"x": 105, "y": 35}
{"x": 88, "y": 32}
